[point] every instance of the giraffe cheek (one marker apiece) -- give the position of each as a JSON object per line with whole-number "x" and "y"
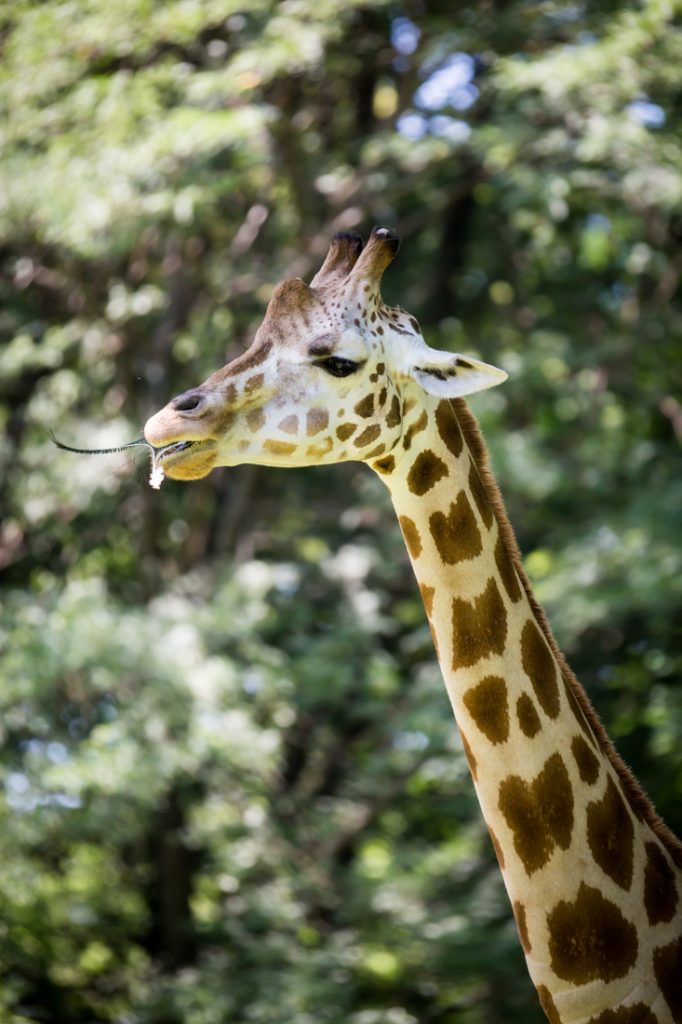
{"x": 279, "y": 448}
{"x": 367, "y": 436}
{"x": 320, "y": 449}
{"x": 317, "y": 420}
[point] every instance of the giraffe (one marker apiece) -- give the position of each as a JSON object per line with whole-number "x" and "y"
{"x": 593, "y": 875}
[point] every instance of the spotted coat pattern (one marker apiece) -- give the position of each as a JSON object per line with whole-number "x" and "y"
{"x": 550, "y": 794}
{"x": 594, "y": 880}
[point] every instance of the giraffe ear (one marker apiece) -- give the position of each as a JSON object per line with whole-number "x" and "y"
{"x": 449, "y": 375}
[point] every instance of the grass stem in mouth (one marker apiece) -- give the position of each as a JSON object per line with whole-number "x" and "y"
{"x": 156, "y": 476}
{"x": 101, "y": 451}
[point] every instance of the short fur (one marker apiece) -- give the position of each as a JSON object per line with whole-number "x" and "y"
{"x": 640, "y": 802}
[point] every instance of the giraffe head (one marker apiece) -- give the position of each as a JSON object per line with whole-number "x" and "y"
{"x": 330, "y": 376}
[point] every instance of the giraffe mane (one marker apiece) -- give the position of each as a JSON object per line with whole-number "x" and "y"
{"x": 639, "y": 801}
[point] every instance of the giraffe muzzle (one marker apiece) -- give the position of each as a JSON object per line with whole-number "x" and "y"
{"x": 186, "y": 460}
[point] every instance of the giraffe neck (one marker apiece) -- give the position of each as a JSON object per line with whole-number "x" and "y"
{"x": 594, "y": 877}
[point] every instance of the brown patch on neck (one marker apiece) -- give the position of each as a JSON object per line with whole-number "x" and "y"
{"x": 611, "y": 836}
{"x": 529, "y": 719}
{"x": 415, "y": 428}
{"x": 448, "y": 428}
{"x": 488, "y": 706}
{"x": 637, "y": 1013}
{"x": 427, "y": 597}
{"x": 539, "y": 666}
{"x": 473, "y": 768}
{"x": 520, "y": 918}
{"x": 385, "y": 465}
{"x": 668, "y": 970}
{"x": 505, "y": 567}
{"x": 548, "y": 1005}
{"x": 427, "y": 469}
{"x": 539, "y": 813}
{"x": 590, "y": 940}
{"x": 586, "y": 760}
{"x": 411, "y": 535}
{"x": 477, "y": 489}
{"x": 636, "y": 796}
{"x": 499, "y": 852}
{"x": 660, "y": 893}
{"x": 393, "y": 417}
{"x": 479, "y": 627}
{"x": 456, "y": 535}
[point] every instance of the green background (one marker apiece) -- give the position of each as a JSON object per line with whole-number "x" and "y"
{"x": 231, "y": 787}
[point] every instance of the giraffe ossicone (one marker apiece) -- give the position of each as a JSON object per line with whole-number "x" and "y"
{"x": 593, "y": 875}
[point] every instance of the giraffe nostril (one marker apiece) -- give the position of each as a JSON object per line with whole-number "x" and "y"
{"x": 190, "y": 401}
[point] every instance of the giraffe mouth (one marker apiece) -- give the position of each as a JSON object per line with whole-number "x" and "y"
{"x": 186, "y": 460}
{"x": 175, "y": 449}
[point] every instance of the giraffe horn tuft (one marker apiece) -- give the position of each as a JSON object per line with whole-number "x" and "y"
{"x": 380, "y": 250}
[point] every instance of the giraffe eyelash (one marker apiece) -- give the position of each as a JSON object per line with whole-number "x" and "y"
{"x": 338, "y": 366}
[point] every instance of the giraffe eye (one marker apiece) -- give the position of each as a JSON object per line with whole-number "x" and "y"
{"x": 337, "y": 366}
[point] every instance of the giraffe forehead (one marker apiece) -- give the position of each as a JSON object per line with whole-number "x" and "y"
{"x": 304, "y": 324}
{"x": 357, "y": 343}
{"x": 299, "y": 314}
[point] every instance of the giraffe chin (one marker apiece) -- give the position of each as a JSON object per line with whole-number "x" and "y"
{"x": 188, "y": 460}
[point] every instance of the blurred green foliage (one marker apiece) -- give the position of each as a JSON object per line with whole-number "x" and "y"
{"x": 232, "y": 790}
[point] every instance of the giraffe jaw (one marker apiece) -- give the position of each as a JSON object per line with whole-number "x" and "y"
{"x": 187, "y": 460}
